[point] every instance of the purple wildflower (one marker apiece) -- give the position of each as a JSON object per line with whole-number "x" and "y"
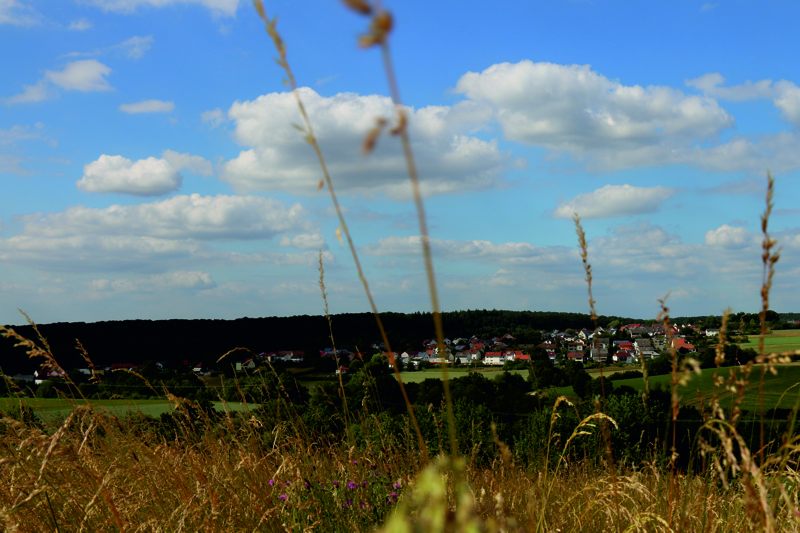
{"x": 351, "y": 485}
{"x": 335, "y": 483}
{"x": 365, "y": 483}
{"x": 363, "y": 505}
{"x": 288, "y": 483}
{"x": 393, "y": 495}
{"x": 283, "y": 497}
{"x": 355, "y": 462}
{"x": 271, "y": 481}
{"x": 396, "y": 485}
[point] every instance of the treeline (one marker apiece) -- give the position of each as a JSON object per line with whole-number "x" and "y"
{"x": 173, "y": 341}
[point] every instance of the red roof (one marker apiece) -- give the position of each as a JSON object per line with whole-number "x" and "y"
{"x": 493, "y": 354}
{"x": 575, "y": 355}
{"x": 524, "y": 357}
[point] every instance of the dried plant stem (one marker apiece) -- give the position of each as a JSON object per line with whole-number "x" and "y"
{"x": 280, "y": 46}
{"x": 587, "y": 268}
{"x": 333, "y": 343}
{"x": 663, "y": 316}
{"x": 768, "y": 258}
{"x": 413, "y": 175}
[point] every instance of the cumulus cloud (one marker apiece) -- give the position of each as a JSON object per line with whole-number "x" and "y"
{"x": 305, "y": 241}
{"x": 158, "y": 236}
{"x": 180, "y": 280}
{"x": 615, "y": 201}
{"x": 279, "y": 159}
{"x": 145, "y": 177}
{"x": 206, "y": 218}
{"x": 218, "y": 7}
{"x": 571, "y": 108}
{"x": 86, "y": 75}
{"x": 731, "y": 237}
{"x": 148, "y": 106}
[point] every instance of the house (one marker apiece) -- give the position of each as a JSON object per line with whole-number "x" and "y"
{"x": 712, "y": 332}
{"x": 247, "y": 364}
{"x": 575, "y": 356}
{"x": 494, "y": 358}
{"x": 599, "y": 354}
{"x": 679, "y": 343}
{"x": 624, "y": 356}
{"x": 342, "y": 370}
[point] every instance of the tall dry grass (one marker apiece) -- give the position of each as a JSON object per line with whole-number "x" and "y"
{"x": 263, "y": 470}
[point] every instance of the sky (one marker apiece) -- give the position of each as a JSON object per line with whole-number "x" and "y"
{"x": 150, "y": 167}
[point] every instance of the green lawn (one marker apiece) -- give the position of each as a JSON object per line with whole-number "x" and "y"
{"x": 57, "y": 406}
{"x": 774, "y": 388}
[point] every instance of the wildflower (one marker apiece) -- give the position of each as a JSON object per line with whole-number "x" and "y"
{"x": 363, "y": 505}
{"x": 271, "y": 481}
{"x": 335, "y": 483}
{"x": 396, "y": 485}
{"x": 306, "y": 485}
{"x": 393, "y": 495}
{"x": 283, "y": 497}
{"x": 355, "y": 462}
{"x": 288, "y": 483}
{"x": 352, "y": 485}
{"x": 365, "y": 483}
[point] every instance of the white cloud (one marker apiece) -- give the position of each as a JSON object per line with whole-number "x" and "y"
{"x": 81, "y": 24}
{"x": 218, "y": 7}
{"x": 615, "y": 201}
{"x": 148, "y": 106}
{"x": 731, "y": 237}
{"x": 279, "y": 159}
{"x": 710, "y": 85}
{"x": 213, "y": 118}
{"x": 204, "y": 218}
{"x": 30, "y": 94}
{"x": 305, "y": 241}
{"x": 503, "y": 253}
{"x": 785, "y": 95}
{"x": 85, "y": 76}
{"x": 146, "y": 177}
{"x": 180, "y": 280}
{"x": 16, "y": 13}
{"x": 574, "y": 109}
{"x": 136, "y": 46}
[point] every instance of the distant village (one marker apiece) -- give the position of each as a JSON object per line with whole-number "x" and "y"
{"x": 626, "y": 344}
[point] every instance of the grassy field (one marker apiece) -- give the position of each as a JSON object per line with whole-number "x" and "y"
{"x": 777, "y": 341}
{"x": 57, "y": 406}
{"x": 774, "y": 388}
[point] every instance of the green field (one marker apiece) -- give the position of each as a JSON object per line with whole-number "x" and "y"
{"x": 57, "y": 406}
{"x": 777, "y": 341}
{"x": 774, "y": 388}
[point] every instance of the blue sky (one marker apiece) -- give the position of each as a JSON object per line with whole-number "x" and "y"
{"x": 149, "y": 167}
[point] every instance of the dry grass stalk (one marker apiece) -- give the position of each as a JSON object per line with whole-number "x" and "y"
{"x": 282, "y": 61}
{"x": 379, "y": 29}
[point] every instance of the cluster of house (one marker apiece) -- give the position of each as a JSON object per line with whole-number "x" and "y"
{"x": 642, "y": 342}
